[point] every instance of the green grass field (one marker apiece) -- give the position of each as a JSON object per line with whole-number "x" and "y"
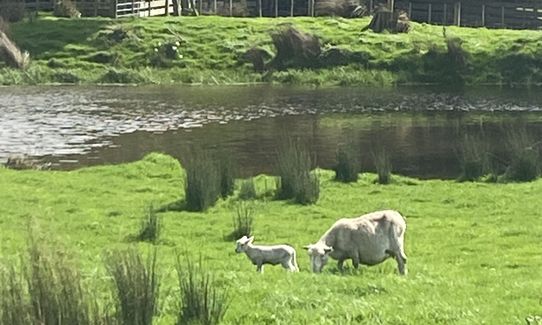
{"x": 92, "y": 50}
{"x": 473, "y": 248}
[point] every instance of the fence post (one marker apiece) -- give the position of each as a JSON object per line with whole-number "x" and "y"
{"x": 483, "y": 15}
{"x": 231, "y": 8}
{"x": 410, "y": 10}
{"x": 502, "y": 16}
{"x": 260, "y": 8}
{"x": 133, "y": 7}
{"x": 457, "y": 14}
{"x": 214, "y": 7}
{"x": 276, "y": 8}
{"x": 429, "y": 13}
{"x": 200, "y": 5}
{"x": 445, "y": 15}
{"x": 291, "y": 8}
{"x": 312, "y": 8}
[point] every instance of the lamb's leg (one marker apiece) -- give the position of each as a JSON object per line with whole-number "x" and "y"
{"x": 355, "y": 263}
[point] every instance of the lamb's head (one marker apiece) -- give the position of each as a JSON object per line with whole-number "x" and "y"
{"x": 319, "y": 255}
{"x": 242, "y": 243}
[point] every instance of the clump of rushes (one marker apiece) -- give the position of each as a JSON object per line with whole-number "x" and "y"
{"x": 202, "y": 300}
{"x": 524, "y": 165}
{"x": 136, "y": 285}
{"x": 348, "y": 165}
{"x": 202, "y": 185}
{"x": 247, "y": 190}
{"x": 151, "y": 226}
{"x": 474, "y": 158}
{"x": 242, "y": 221}
{"x": 382, "y": 162}
{"x": 294, "y": 170}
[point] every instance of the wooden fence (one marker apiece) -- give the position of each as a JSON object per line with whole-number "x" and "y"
{"x": 476, "y": 13}
{"x": 504, "y": 14}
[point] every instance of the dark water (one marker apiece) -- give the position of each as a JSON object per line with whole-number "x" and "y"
{"x": 72, "y": 127}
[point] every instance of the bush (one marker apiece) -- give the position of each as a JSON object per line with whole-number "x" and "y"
{"x": 474, "y": 158}
{"x": 151, "y": 226}
{"x": 242, "y": 222}
{"x": 247, "y": 190}
{"x": 136, "y": 285}
{"x": 202, "y": 301}
{"x": 524, "y": 165}
{"x": 383, "y": 166}
{"x": 348, "y": 165}
{"x": 294, "y": 166}
{"x": 202, "y": 185}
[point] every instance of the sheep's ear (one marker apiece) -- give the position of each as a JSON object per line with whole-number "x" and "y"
{"x": 307, "y": 247}
{"x": 251, "y": 239}
{"x": 328, "y": 249}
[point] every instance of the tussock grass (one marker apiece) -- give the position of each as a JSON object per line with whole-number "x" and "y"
{"x": 151, "y": 226}
{"x": 524, "y": 151}
{"x": 382, "y": 162}
{"x": 136, "y": 284}
{"x": 348, "y": 165}
{"x": 202, "y": 300}
{"x": 247, "y": 191}
{"x": 474, "y": 158}
{"x": 202, "y": 186}
{"x": 294, "y": 169}
{"x": 242, "y": 221}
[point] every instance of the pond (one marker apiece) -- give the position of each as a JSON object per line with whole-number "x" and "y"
{"x": 421, "y": 127}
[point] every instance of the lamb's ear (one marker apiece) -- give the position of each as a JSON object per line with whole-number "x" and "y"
{"x": 307, "y": 247}
{"x": 250, "y": 239}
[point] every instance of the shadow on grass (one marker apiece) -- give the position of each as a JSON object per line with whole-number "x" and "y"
{"x": 178, "y": 206}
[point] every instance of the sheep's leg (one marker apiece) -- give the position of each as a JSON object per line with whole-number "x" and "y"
{"x": 401, "y": 264}
{"x": 259, "y": 268}
{"x": 340, "y": 265}
{"x": 355, "y": 263}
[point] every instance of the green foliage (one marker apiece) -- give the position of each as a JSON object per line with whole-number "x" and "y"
{"x": 136, "y": 284}
{"x": 348, "y": 165}
{"x": 294, "y": 169}
{"x": 151, "y": 226}
{"x": 203, "y": 180}
{"x": 202, "y": 300}
{"x": 247, "y": 190}
{"x": 242, "y": 222}
{"x": 382, "y": 162}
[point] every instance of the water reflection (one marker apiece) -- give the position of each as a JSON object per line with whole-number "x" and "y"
{"x": 74, "y": 127}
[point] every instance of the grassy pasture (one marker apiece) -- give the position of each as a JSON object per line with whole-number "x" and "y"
{"x": 473, "y": 248}
{"x": 101, "y": 50}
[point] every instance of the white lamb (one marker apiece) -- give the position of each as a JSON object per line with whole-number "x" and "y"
{"x": 260, "y": 255}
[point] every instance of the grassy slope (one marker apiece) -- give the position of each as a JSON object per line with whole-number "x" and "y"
{"x": 473, "y": 248}
{"x": 211, "y": 45}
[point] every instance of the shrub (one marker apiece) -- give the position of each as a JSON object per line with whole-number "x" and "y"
{"x": 136, "y": 285}
{"x": 202, "y": 186}
{"x": 348, "y": 165}
{"x": 294, "y": 165}
{"x": 151, "y": 226}
{"x": 66, "y": 8}
{"x": 474, "y": 158}
{"x": 247, "y": 190}
{"x": 524, "y": 165}
{"x": 202, "y": 301}
{"x": 242, "y": 222}
{"x": 383, "y": 166}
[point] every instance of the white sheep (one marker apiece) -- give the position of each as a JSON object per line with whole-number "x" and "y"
{"x": 369, "y": 239}
{"x": 260, "y": 255}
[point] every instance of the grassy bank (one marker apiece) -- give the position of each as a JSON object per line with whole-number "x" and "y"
{"x": 97, "y": 50}
{"x": 473, "y": 248}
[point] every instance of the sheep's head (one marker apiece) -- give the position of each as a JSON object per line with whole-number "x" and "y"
{"x": 242, "y": 243}
{"x": 319, "y": 255}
